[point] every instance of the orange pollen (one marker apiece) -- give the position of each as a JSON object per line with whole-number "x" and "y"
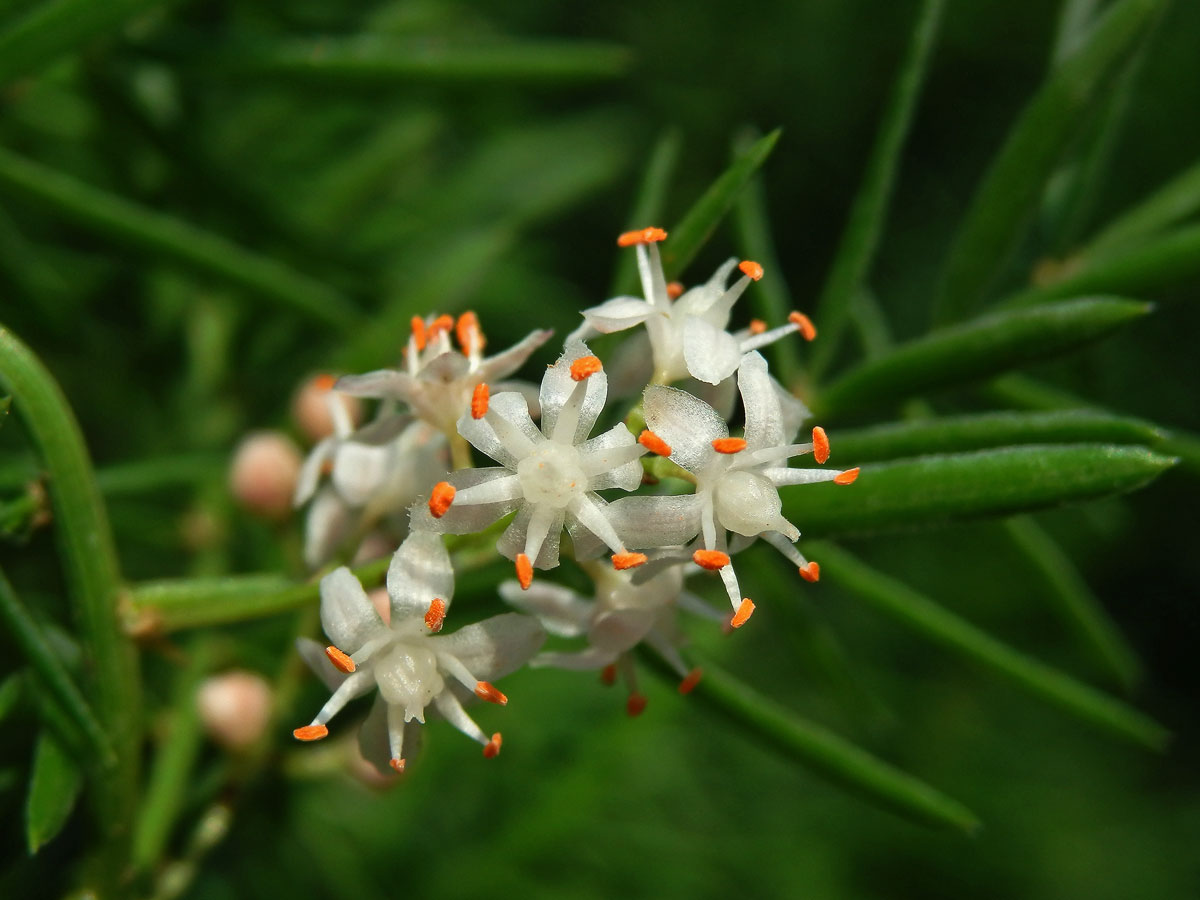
{"x": 744, "y": 612}
{"x": 467, "y": 331}
{"x": 751, "y": 268}
{"x": 654, "y": 443}
{"x": 324, "y": 382}
{"x": 820, "y": 445}
{"x": 608, "y": 675}
{"x": 674, "y": 289}
{"x": 635, "y": 704}
{"x": 341, "y": 661}
{"x": 641, "y": 236}
{"x": 757, "y": 326}
{"x": 847, "y": 477}
{"x": 397, "y": 764}
{"x": 807, "y": 329}
{"x": 492, "y": 748}
{"x": 524, "y": 571}
{"x": 729, "y": 445}
{"x": 693, "y": 678}
{"x": 487, "y": 691}
{"x": 310, "y": 733}
{"x": 479, "y": 401}
{"x": 435, "y": 615}
{"x": 441, "y": 323}
{"x": 585, "y": 367}
{"x": 710, "y": 559}
{"x": 628, "y": 560}
{"x": 811, "y": 572}
{"x": 418, "y": 332}
{"x": 440, "y": 498}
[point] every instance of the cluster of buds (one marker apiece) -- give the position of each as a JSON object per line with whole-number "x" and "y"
{"x": 410, "y": 472}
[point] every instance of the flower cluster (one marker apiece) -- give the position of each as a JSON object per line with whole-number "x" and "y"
{"x": 636, "y": 537}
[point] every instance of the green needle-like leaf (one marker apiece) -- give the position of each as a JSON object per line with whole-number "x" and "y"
{"x": 53, "y": 790}
{"x": 831, "y": 756}
{"x": 856, "y": 251}
{"x": 119, "y": 220}
{"x": 977, "y": 349}
{"x": 976, "y": 432}
{"x": 687, "y": 237}
{"x": 936, "y": 490}
{"x": 1008, "y": 196}
{"x": 5, "y": 403}
{"x": 10, "y": 694}
{"x": 1171, "y": 204}
{"x": 922, "y": 615}
{"x": 649, "y": 203}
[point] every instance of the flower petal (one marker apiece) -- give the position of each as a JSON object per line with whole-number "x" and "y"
{"x": 310, "y": 472}
{"x": 612, "y": 459}
{"x": 494, "y": 647}
{"x": 618, "y": 314}
{"x": 645, "y": 522}
{"x": 508, "y": 361}
{"x": 420, "y": 571}
{"x": 348, "y": 618}
{"x": 463, "y": 518}
{"x": 689, "y": 425}
{"x": 561, "y": 611}
{"x": 388, "y": 384}
{"x": 512, "y": 541}
{"x": 558, "y": 387}
{"x": 359, "y": 470}
{"x": 506, "y": 433}
{"x": 318, "y": 660}
{"x": 764, "y": 416}
{"x": 330, "y": 522}
{"x": 711, "y": 354}
{"x": 621, "y": 629}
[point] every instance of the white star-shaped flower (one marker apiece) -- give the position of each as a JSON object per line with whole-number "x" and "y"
{"x": 411, "y": 665}
{"x": 687, "y": 329}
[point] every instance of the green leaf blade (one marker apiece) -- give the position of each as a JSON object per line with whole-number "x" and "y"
{"x": 53, "y": 790}
{"x": 1171, "y": 204}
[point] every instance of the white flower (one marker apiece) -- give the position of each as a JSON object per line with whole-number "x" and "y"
{"x": 687, "y": 330}
{"x": 737, "y": 479}
{"x": 548, "y": 476}
{"x": 439, "y": 382}
{"x": 616, "y": 618}
{"x": 411, "y": 667}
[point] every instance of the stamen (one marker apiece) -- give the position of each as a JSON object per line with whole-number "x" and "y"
{"x": 440, "y": 498}
{"x": 479, "y": 401}
{"x": 492, "y": 748}
{"x": 751, "y": 268}
{"x": 654, "y": 443}
{"x": 710, "y": 559}
{"x": 585, "y": 367}
{"x": 341, "y": 661}
{"x": 820, "y": 445}
{"x": 847, "y": 477}
{"x": 689, "y": 683}
{"x": 757, "y": 326}
{"x": 743, "y": 613}
{"x": 628, "y": 560}
{"x": 487, "y": 691}
{"x": 397, "y": 764}
{"x": 324, "y": 382}
{"x": 524, "y": 571}
{"x": 443, "y": 323}
{"x": 418, "y": 332}
{"x": 811, "y": 572}
{"x": 641, "y": 236}
{"x": 435, "y": 615}
{"x": 674, "y": 290}
{"x": 310, "y": 733}
{"x": 470, "y": 337}
{"x": 608, "y": 675}
{"x": 807, "y": 329}
{"x": 635, "y": 704}
{"x": 729, "y": 445}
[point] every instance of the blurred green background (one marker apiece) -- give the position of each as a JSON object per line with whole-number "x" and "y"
{"x": 429, "y": 181}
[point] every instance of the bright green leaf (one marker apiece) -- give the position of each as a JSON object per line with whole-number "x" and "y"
{"x": 53, "y": 790}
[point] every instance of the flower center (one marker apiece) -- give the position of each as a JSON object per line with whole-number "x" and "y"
{"x": 408, "y": 676}
{"x": 552, "y": 473}
{"x": 747, "y": 503}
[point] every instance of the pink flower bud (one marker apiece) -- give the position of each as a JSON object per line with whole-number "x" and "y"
{"x": 263, "y": 475}
{"x": 235, "y": 708}
{"x": 310, "y": 407}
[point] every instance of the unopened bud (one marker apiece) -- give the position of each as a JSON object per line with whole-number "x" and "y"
{"x": 310, "y": 407}
{"x": 263, "y": 475}
{"x": 235, "y": 708}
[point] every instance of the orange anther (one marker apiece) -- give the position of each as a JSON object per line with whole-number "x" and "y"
{"x": 435, "y": 615}
{"x": 811, "y": 571}
{"x": 479, "y": 401}
{"x": 641, "y": 236}
{"x": 443, "y": 323}
{"x": 398, "y": 764}
{"x": 751, "y": 268}
{"x": 729, "y": 445}
{"x": 324, "y": 382}
{"x": 585, "y": 367}
{"x": 418, "y": 332}
{"x": 847, "y": 477}
{"x": 608, "y": 675}
{"x": 693, "y": 679}
{"x": 710, "y": 559}
{"x": 485, "y": 690}
{"x": 310, "y": 733}
{"x": 804, "y": 323}
{"x": 628, "y": 560}
{"x": 674, "y": 289}
{"x": 635, "y": 704}
{"x": 467, "y": 330}
{"x": 743, "y": 613}
{"x": 757, "y": 326}
{"x": 440, "y": 498}
{"x": 654, "y": 443}
{"x": 341, "y": 661}
{"x": 820, "y": 444}
{"x": 492, "y": 748}
{"x": 524, "y": 571}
